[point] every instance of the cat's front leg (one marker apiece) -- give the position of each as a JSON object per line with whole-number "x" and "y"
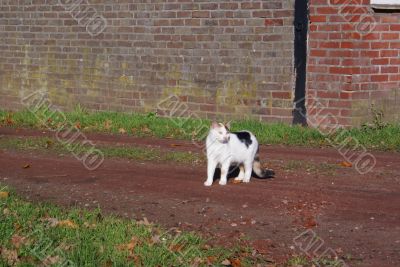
{"x": 211, "y": 165}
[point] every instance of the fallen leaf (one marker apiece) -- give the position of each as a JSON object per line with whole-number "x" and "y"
{"x": 53, "y": 222}
{"x": 196, "y": 262}
{"x": 108, "y": 263}
{"x": 64, "y": 246}
{"x": 68, "y": 224}
{"x": 89, "y": 225}
{"x": 236, "y": 263}
{"x": 107, "y": 124}
{"x": 211, "y": 260}
{"x": 236, "y": 181}
{"x": 11, "y": 256}
{"x": 6, "y": 211}
{"x": 48, "y": 144}
{"x": 78, "y": 125}
{"x": 122, "y": 131}
{"x": 17, "y": 226}
{"x": 226, "y": 262}
{"x": 175, "y": 145}
{"x": 4, "y": 194}
{"x": 9, "y": 119}
{"x": 129, "y": 246}
{"x": 51, "y": 260}
{"x": 176, "y": 247}
{"x": 18, "y": 241}
{"x": 26, "y": 166}
{"x": 146, "y": 129}
{"x": 155, "y": 239}
{"x": 144, "y": 222}
{"x": 346, "y": 164}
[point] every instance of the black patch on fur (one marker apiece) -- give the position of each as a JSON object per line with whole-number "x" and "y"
{"x": 244, "y": 137}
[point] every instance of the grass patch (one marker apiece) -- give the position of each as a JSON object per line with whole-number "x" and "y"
{"x": 297, "y": 261}
{"x": 322, "y": 168}
{"x": 384, "y": 137}
{"x": 128, "y": 152}
{"x": 44, "y": 234}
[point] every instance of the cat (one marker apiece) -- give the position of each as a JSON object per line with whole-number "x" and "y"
{"x": 225, "y": 148}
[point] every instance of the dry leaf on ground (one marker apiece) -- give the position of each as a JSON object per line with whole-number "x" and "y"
{"x": 6, "y": 212}
{"x": 68, "y": 224}
{"x": 226, "y": 262}
{"x": 18, "y": 240}
{"x": 10, "y": 256}
{"x": 89, "y": 225}
{"x": 211, "y": 260}
{"x": 176, "y": 247}
{"x": 4, "y": 194}
{"x": 122, "y": 131}
{"x": 53, "y": 222}
{"x": 144, "y": 222}
{"x": 51, "y": 260}
{"x": 346, "y": 164}
{"x": 107, "y": 124}
{"x": 129, "y": 246}
{"x": 26, "y": 166}
{"x": 175, "y": 145}
{"x": 236, "y": 263}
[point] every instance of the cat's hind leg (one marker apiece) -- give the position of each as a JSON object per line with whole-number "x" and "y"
{"x": 224, "y": 172}
{"x": 241, "y": 173}
{"x": 248, "y": 168}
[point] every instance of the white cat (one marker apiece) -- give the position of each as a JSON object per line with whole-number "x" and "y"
{"x": 239, "y": 148}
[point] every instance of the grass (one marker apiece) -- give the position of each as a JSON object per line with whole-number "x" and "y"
{"x": 384, "y": 137}
{"x": 297, "y": 261}
{"x": 323, "y": 168}
{"x": 33, "y": 234}
{"x": 128, "y": 152}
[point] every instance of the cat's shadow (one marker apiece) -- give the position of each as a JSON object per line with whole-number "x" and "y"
{"x": 233, "y": 173}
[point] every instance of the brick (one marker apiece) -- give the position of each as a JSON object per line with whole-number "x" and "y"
{"x": 379, "y": 78}
{"x": 200, "y": 14}
{"x": 273, "y": 22}
{"x": 317, "y": 18}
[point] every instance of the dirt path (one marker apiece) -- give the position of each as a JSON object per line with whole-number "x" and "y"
{"x": 358, "y": 216}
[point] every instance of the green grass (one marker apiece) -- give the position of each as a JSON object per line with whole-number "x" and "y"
{"x": 44, "y": 144}
{"x": 35, "y": 233}
{"x": 385, "y": 137}
{"x": 299, "y": 260}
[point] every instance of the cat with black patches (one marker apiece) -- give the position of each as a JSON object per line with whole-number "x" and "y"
{"x": 225, "y": 148}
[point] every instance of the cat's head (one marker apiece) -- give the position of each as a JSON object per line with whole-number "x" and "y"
{"x": 220, "y": 132}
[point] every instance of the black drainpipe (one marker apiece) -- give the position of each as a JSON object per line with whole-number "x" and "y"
{"x": 300, "y": 61}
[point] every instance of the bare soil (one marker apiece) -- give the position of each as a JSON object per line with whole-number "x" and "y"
{"x": 357, "y": 216}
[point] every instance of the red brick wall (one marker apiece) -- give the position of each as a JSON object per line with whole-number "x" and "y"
{"x": 223, "y": 58}
{"x": 353, "y": 62}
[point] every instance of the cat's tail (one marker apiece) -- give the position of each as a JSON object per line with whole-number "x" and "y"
{"x": 260, "y": 171}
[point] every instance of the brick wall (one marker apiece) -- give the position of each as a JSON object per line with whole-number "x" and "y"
{"x": 353, "y": 63}
{"x": 223, "y": 58}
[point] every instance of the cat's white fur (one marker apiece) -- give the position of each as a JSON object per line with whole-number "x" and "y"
{"x": 225, "y": 149}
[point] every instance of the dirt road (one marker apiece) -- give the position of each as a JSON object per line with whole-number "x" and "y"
{"x": 357, "y": 216}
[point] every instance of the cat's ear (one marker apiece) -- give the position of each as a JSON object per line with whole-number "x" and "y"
{"x": 214, "y": 125}
{"x": 228, "y": 125}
